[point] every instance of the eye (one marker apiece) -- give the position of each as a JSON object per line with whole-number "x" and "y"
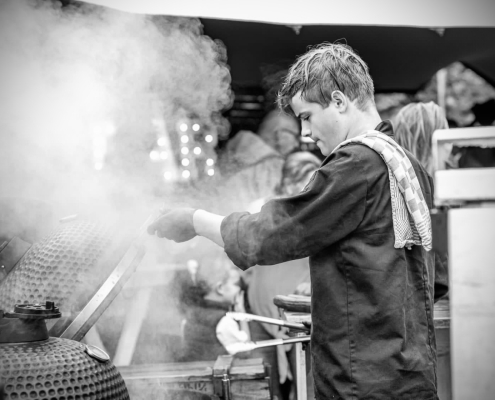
{"x": 304, "y": 117}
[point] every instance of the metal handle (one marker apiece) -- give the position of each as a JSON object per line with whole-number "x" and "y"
{"x": 248, "y": 346}
{"x": 239, "y": 316}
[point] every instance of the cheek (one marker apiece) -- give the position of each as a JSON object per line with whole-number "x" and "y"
{"x": 324, "y": 126}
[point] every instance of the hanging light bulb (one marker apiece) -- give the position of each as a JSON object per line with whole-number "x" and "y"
{"x": 154, "y": 155}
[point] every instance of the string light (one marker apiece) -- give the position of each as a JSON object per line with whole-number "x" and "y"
{"x": 197, "y": 150}
{"x": 167, "y": 175}
{"x": 98, "y": 166}
{"x": 184, "y": 138}
{"x": 183, "y": 127}
{"x": 163, "y": 155}
{"x": 196, "y": 127}
{"x": 209, "y": 138}
{"x": 184, "y": 150}
{"x": 161, "y": 141}
{"x": 154, "y": 155}
{"x": 211, "y": 172}
{"x": 186, "y": 174}
{"x": 185, "y": 162}
{"x": 210, "y": 162}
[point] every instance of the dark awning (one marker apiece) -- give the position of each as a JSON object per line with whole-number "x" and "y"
{"x": 400, "y": 58}
{"x": 404, "y": 43}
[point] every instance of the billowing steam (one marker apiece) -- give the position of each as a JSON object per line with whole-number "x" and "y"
{"x": 77, "y": 80}
{"x": 85, "y": 92}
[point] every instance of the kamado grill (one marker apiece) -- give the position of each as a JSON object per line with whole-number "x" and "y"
{"x": 36, "y": 366}
{"x": 51, "y": 294}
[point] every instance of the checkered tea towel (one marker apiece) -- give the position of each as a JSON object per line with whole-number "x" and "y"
{"x": 410, "y": 214}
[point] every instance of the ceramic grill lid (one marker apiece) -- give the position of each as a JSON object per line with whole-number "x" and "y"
{"x": 81, "y": 266}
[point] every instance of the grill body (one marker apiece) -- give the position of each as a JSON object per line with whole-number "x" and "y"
{"x": 36, "y": 366}
{"x": 57, "y": 369}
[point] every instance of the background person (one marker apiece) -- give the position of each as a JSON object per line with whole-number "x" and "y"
{"x": 215, "y": 290}
{"x": 281, "y": 132}
{"x": 414, "y": 126}
{"x": 251, "y": 164}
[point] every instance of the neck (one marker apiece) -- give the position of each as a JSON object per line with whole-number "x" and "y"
{"x": 363, "y": 121}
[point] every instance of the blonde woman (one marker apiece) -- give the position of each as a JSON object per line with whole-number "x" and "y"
{"x": 414, "y": 126}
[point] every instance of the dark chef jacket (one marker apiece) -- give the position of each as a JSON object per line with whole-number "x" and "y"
{"x": 371, "y": 304}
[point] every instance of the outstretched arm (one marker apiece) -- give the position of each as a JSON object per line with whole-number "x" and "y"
{"x": 208, "y": 225}
{"x": 183, "y": 224}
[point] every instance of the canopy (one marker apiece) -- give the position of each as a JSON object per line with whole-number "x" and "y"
{"x": 404, "y": 43}
{"x": 419, "y": 13}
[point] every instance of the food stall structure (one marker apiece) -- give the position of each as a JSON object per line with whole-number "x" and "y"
{"x": 467, "y": 197}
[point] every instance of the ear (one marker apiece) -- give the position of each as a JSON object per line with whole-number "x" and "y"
{"x": 340, "y": 100}
{"x": 219, "y": 288}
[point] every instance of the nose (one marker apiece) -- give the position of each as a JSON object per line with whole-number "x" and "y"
{"x": 305, "y": 129}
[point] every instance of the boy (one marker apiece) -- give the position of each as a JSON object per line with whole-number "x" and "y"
{"x": 363, "y": 222}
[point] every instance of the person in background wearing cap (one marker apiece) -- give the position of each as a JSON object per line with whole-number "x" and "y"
{"x": 363, "y": 221}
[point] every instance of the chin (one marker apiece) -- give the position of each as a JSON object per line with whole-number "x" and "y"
{"x": 323, "y": 149}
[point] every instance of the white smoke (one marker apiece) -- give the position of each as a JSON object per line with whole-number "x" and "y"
{"x": 70, "y": 76}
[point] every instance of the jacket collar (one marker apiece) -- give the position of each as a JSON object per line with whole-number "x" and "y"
{"x": 385, "y": 127}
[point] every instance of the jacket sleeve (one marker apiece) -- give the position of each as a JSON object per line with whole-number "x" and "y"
{"x": 330, "y": 207}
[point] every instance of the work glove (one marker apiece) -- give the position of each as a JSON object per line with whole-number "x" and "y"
{"x": 176, "y": 225}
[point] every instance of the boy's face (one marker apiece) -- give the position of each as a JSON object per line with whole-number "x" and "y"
{"x": 326, "y": 126}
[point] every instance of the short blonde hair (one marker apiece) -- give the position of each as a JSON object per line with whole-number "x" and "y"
{"x": 414, "y": 126}
{"x": 324, "y": 69}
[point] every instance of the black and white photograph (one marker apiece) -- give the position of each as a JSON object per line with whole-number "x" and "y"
{"x": 247, "y": 200}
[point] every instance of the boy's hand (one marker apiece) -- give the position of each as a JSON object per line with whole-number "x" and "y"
{"x": 176, "y": 225}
